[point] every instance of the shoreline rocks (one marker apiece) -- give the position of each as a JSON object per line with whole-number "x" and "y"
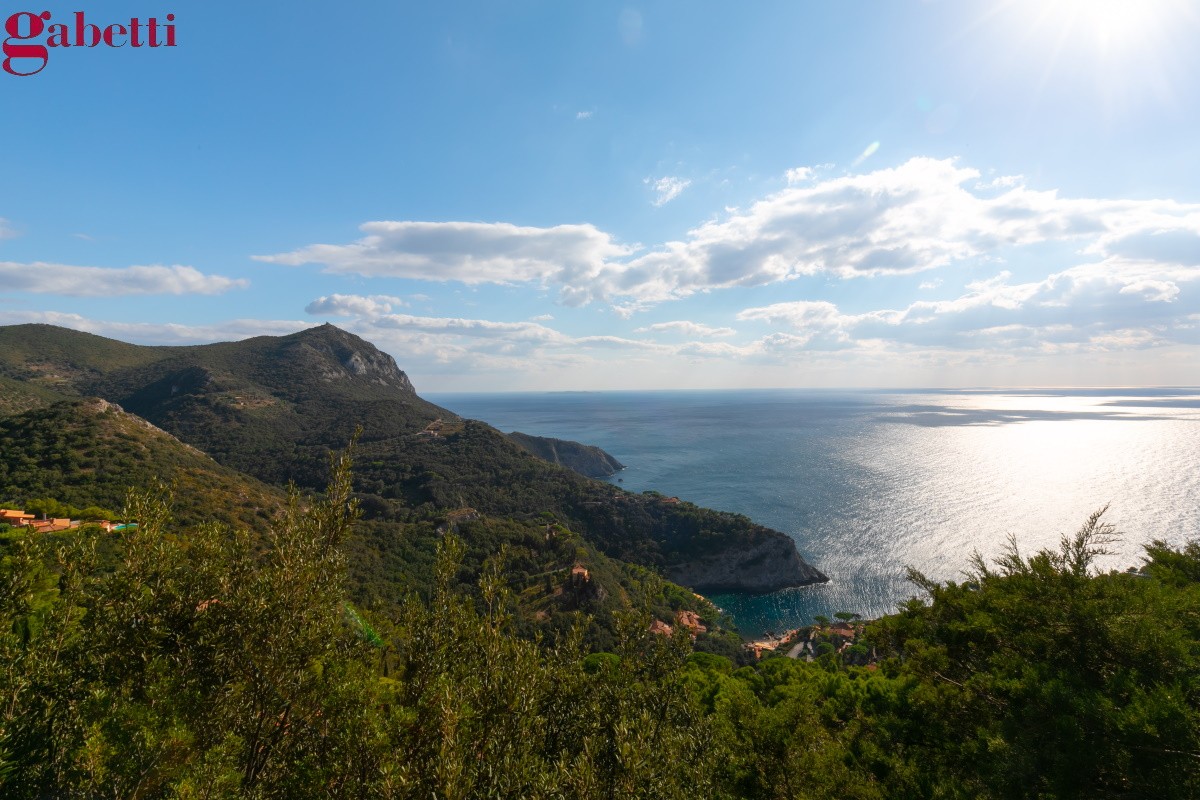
{"x": 769, "y": 564}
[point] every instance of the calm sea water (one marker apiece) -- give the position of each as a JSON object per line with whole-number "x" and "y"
{"x": 870, "y": 482}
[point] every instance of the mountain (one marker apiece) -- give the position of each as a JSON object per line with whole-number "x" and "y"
{"x": 274, "y": 407}
{"x": 588, "y": 460}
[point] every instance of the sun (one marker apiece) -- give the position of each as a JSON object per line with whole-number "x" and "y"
{"x": 1129, "y": 52}
{"x": 1109, "y": 26}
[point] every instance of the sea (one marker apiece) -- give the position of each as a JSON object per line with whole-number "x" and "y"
{"x": 871, "y": 483}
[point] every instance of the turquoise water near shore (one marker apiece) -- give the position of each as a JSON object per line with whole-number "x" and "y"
{"x": 869, "y": 482}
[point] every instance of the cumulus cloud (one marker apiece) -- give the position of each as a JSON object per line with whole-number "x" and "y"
{"x": 667, "y": 188}
{"x": 75, "y": 281}
{"x": 353, "y": 305}
{"x": 922, "y": 215}
{"x": 916, "y": 217}
{"x": 798, "y": 175}
{"x": 817, "y": 324}
{"x": 583, "y": 115}
{"x": 1084, "y": 304}
{"x": 686, "y": 328}
{"x": 471, "y": 252}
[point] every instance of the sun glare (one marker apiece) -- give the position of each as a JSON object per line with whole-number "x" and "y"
{"x": 1108, "y": 25}
{"x": 1131, "y": 51}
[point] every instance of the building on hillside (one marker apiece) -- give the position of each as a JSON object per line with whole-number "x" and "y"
{"x": 690, "y": 620}
{"x": 661, "y": 628}
{"x": 17, "y": 519}
{"x": 52, "y": 525}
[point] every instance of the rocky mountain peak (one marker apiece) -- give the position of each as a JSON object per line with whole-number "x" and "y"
{"x": 340, "y": 355}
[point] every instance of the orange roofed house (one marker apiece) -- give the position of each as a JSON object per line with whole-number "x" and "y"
{"x": 17, "y": 519}
{"x": 50, "y": 525}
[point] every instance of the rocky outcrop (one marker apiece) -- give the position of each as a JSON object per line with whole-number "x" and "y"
{"x": 337, "y": 355}
{"x": 583, "y": 458}
{"x": 767, "y": 564}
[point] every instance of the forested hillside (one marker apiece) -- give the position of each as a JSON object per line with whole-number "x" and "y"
{"x": 89, "y": 453}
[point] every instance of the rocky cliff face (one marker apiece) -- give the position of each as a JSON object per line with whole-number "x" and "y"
{"x": 767, "y": 564}
{"x": 336, "y": 355}
{"x": 583, "y": 458}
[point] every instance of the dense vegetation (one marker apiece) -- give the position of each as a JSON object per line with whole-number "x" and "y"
{"x": 207, "y": 665}
{"x": 80, "y": 454}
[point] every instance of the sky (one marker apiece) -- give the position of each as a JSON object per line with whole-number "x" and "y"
{"x": 549, "y": 195}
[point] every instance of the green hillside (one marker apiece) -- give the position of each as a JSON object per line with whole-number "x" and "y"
{"x": 90, "y": 453}
{"x": 62, "y": 359}
{"x": 17, "y": 396}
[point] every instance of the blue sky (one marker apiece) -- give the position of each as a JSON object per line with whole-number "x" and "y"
{"x": 559, "y": 195}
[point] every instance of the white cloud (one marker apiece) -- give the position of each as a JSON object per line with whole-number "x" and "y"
{"x": 667, "y": 188}
{"x": 512, "y": 331}
{"x": 7, "y": 231}
{"x": 798, "y": 175}
{"x": 583, "y": 115}
{"x": 1152, "y": 290}
{"x": 1001, "y": 182}
{"x": 922, "y": 215}
{"x": 73, "y": 281}
{"x": 471, "y": 252}
{"x": 686, "y": 328}
{"x": 542, "y": 318}
{"x": 912, "y": 218}
{"x": 1082, "y": 305}
{"x": 717, "y": 350}
{"x": 818, "y": 324}
{"x": 353, "y": 305}
{"x": 620, "y": 343}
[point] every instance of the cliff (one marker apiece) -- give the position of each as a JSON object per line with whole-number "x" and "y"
{"x": 587, "y": 460}
{"x": 766, "y": 564}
